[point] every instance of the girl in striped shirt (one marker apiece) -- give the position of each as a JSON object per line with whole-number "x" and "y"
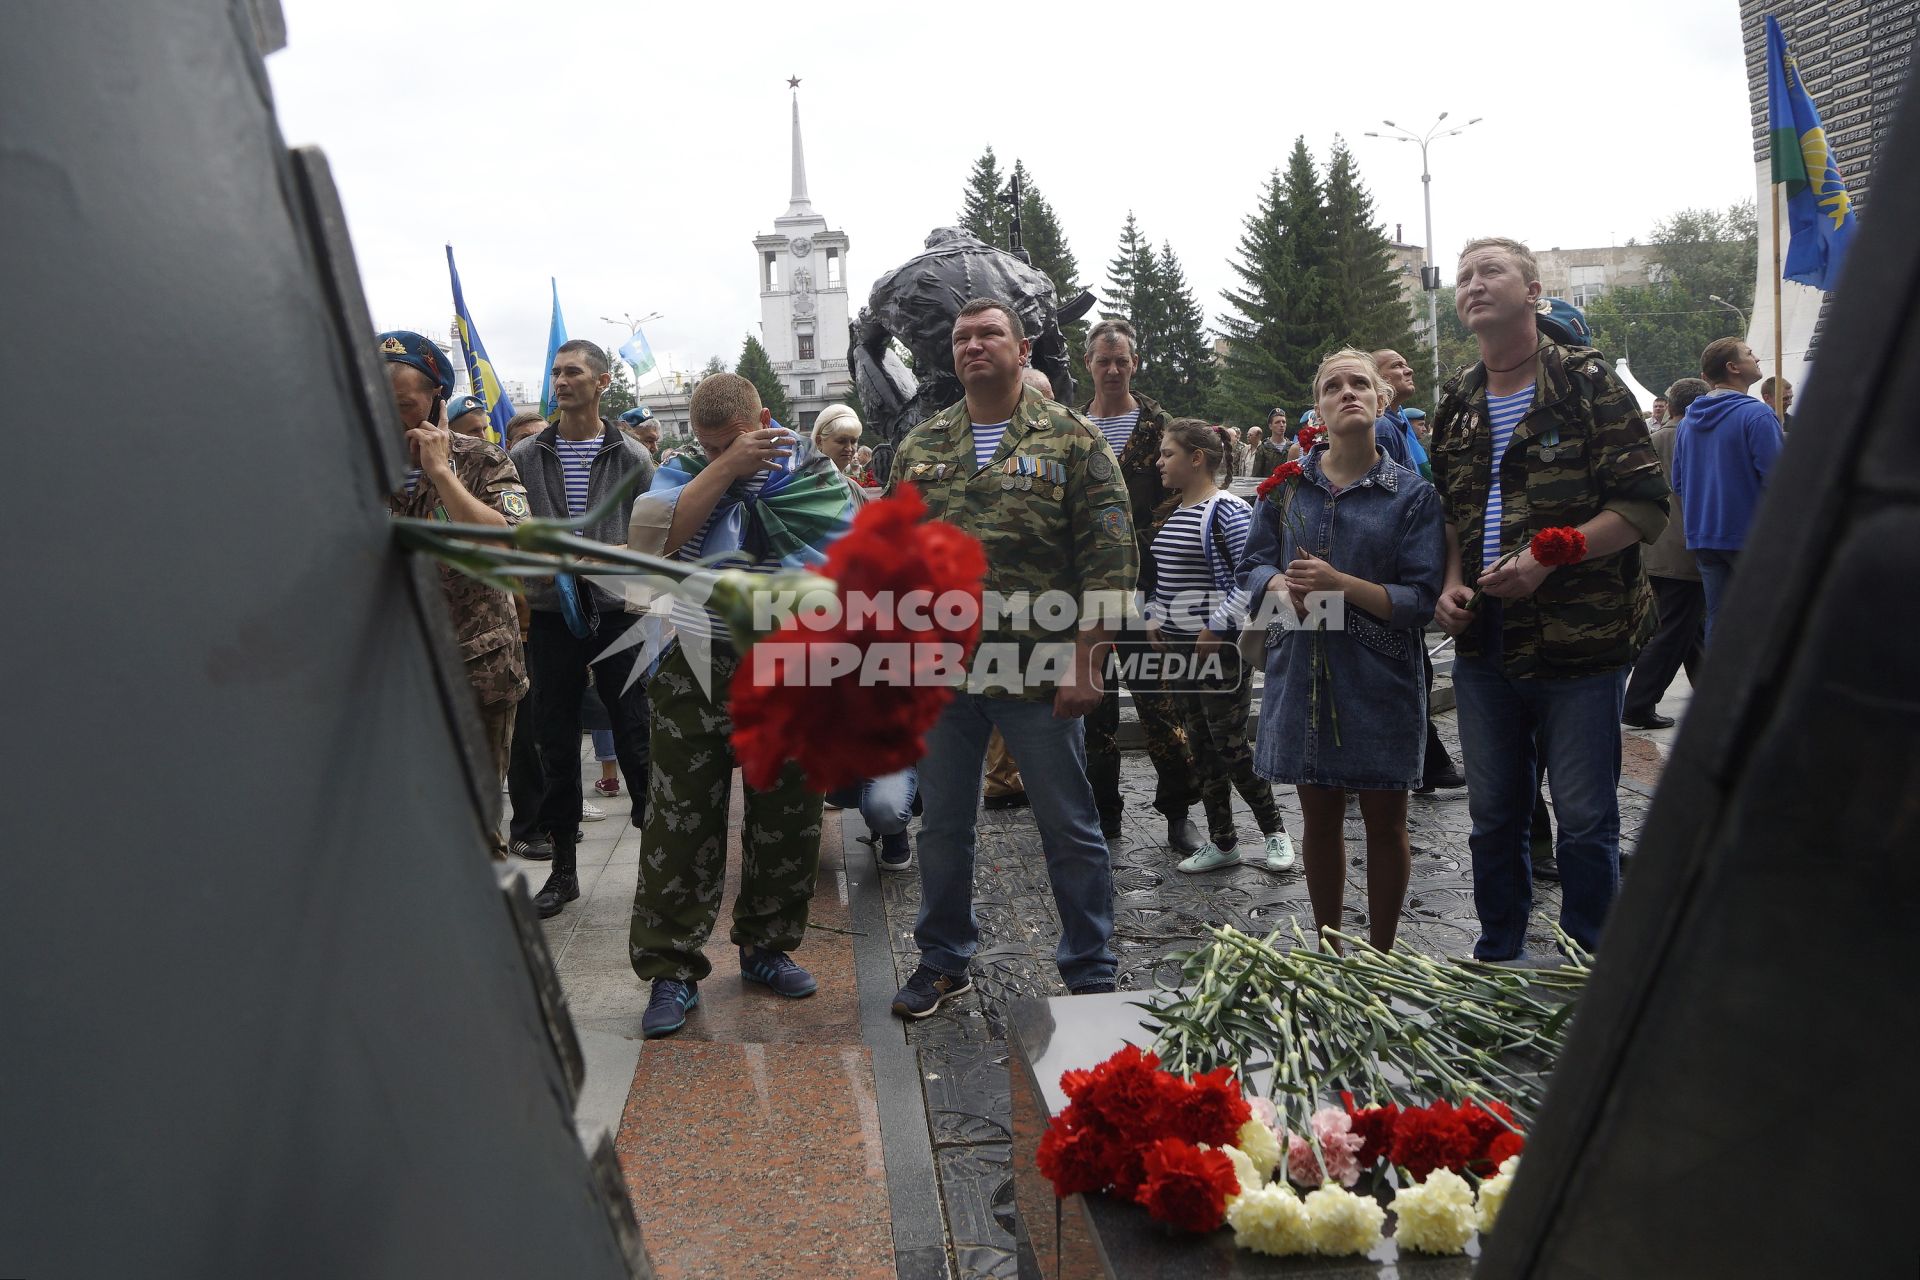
{"x": 1195, "y": 552}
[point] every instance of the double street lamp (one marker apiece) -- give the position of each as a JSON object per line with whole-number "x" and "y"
{"x": 1430, "y": 274}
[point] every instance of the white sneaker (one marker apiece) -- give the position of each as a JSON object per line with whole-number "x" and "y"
{"x": 592, "y": 813}
{"x": 1279, "y": 852}
{"x": 1209, "y": 857}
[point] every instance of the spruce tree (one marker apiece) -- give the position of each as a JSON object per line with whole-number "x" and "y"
{"x": 756, "y": 368}
{"x": 1046, "y": 245}
{"x": 1280, "y": 324}
{"x": 1137, "y": 293}
{"x": 1363, "y": 291}
{"x": 1188, "y": 373}
{"x": 981, "y": 213}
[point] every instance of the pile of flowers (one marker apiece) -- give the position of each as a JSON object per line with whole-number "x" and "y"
{"x": 1197, "y": 1154}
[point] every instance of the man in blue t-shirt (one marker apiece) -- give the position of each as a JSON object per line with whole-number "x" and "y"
{"x": 1727, "y": 445}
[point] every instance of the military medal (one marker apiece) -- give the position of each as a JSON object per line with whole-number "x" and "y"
{"x": 1547, "y": 455}
{"x": 1006, "y": 476}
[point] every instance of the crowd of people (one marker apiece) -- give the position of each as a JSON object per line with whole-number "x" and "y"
{"x": 1371, "y": 522}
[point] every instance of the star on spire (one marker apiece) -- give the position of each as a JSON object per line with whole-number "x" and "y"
{"x": 793, "y": 82}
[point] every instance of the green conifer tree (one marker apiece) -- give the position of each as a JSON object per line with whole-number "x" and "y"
{"x": 1363, "y": 291}
{"x": 1137, "y": 293}
{"x": 1188, "y": 371}
{"x": 1280, "y": 323}
{"x": 756, "y": 368}
{"x": 981, "y": 212}
{"x": 1046, "y": 244}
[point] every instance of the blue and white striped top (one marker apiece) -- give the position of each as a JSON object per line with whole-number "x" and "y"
{"x": 688, "y": 615}
{"x": 413, "y": 482}
{"x": 986, "y": 439}
{"x": 576, "y": 464}
{"x": 1504, "y": 412}
{"x": 1189, "y": 588}
{"x": 1117, "y": 428}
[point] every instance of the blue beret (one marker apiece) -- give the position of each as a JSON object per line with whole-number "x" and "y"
{"x": 403, "y": 346}
{"x": 465, "y": 404}
{"x": 637, "y": 415}
{"x": 1562, "y": 322}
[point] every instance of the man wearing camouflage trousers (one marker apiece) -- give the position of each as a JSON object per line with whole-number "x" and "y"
{"x": 698, "y": 508}
{"x": 1540, "y": 435}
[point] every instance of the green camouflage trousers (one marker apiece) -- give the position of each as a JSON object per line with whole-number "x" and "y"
{"x": 1174, "y": 786}
{"x": 683, "y": 847}
{"x": 1215, "y": 716}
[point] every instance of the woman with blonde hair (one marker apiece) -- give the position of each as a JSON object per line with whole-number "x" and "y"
{"x": 1345, "y": 707}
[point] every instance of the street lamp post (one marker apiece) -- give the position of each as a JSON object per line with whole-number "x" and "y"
{"x": 1430, "y": 274}
{"x": 1738, "y": 314}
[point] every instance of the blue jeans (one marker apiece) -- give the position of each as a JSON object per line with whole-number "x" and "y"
{"x": 885, "y": 804}
{"x": 1053, "y": 763}
{"x": 1578, "y": 726}
{"x": 1716, "y": 575}
{"x": 602, "y": 745}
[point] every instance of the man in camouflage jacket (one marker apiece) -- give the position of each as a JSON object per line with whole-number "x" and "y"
{"x": 1540, "y": 435}
{"x": 1112, "y": 359}
{"x": 1041, "y": 489}
{"x": 466, "y": 480}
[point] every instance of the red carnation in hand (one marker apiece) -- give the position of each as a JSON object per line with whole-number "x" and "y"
{"x": 1307, "y": 437}
{"x": 777, "y": 706}
{"x": 1281, "y": 474}
{"x": 1375, "y": 1126}
{"x": 1429, "y": 1138}
{"x": 1186, "y": 1187}
{"x": 1073, "y": 1157}
{"x": 1559, "y": 546}
{"x": 1208, "y": 1108}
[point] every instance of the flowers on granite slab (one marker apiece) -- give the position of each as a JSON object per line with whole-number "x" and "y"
{"x": 1338, "y": 1156}
{"x": 1258, "y": 1142}
{"x": 1271, "y": 1220}
{"x": 1341, "y": 1223}
{"x": 1493, "y": 1194}
{"x": 1243, "y": 1168}
{"x": 1186, "y": 1187}
{"x": 1435, "y": 1216}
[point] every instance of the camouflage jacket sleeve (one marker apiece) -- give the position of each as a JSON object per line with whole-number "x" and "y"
{"x": 1104, "y": 550}
{"x": 1625, "y": 464}
{"x": 490, "y": 476}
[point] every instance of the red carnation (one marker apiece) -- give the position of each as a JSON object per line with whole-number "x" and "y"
{"x": 1429, "y": 1138}
{"x": 1209, "y": 1108}
{"x": 1307, "y": 437}
{"x": 1123, "y": 1095}
{"x": 1073, "y": 1157}
{"x": 1186, "y": 1187}
{"x": 1487, "y": 1122}
{"x": 1281, "y": 474}
{"x": 1507, "y": 1144}
{"x": 1559, "y": 546}
{"x": 1375, "y": 1127}
{"x": 777, "y": 706}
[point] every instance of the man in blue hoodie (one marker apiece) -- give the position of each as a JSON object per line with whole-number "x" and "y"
{"x": 1727, "y": 444}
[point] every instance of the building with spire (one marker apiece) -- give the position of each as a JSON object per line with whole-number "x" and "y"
{"x": 803, "y": 297}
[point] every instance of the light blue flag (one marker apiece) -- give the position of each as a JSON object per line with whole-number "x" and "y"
{"x": 486, "y": 384}
{"x": 638, "y": 354}
{"x": 1819, "y": 208}
{"x": 556, "y": 335}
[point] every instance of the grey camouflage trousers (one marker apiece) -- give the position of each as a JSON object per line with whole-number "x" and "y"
{"x": 1215, "y": 718}
{"x": 683, "y": 847}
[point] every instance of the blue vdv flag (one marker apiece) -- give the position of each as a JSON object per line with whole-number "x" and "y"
{"x": 556, "y": 335}
{"x": 1819, "y": 209}
{"x": 638, "y": 354}
{"x": 486, "y": 383}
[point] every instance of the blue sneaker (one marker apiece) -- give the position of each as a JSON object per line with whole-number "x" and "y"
{"x": 776, "y": 969}
{"x": 667, "y": 1009}
{"x": 895, "y": 852}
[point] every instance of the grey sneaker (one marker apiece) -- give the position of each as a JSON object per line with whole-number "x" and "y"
{"x": 1210, "y": 857}
{"x": 1279, "y": 852}
{"x": 926, "y": 990}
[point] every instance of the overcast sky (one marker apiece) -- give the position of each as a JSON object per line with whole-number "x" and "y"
{"x": 633, "y": 150}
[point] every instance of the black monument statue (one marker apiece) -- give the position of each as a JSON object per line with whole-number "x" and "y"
{"x": 916, "y": 303}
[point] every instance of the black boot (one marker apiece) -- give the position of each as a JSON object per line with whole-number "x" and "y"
{"x": 1182, "y": 836}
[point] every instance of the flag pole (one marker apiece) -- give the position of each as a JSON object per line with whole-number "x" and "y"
{"x": 1779, "y": 372}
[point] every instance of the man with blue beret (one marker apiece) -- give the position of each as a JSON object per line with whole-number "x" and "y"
{"x": 639, "y": 425}
{"x": 467, "y": 416}
{"x": 465, "y": 480}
